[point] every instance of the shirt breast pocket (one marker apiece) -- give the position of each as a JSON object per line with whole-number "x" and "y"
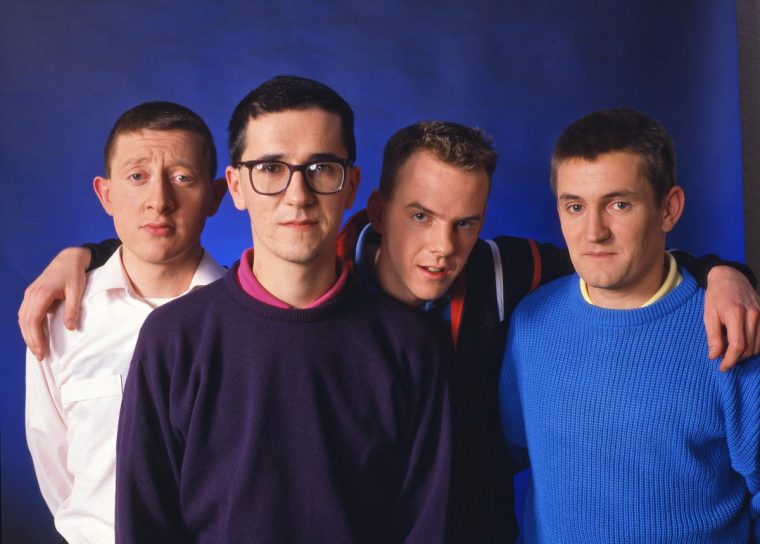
{"x": 91, "y": 388}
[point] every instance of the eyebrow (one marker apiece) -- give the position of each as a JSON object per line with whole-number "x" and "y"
{"x": 313, "y": 157}
{"x": 614, "y": 194}
{"x": 142, "y": 160}
{"x": 418, "y": 206}
{"x": 135, "y": 162}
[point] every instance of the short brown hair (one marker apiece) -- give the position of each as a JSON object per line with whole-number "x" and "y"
{"x": 620, "y": 129}
{"x": 161, "y": 116}
{"x": 458, "y": 145}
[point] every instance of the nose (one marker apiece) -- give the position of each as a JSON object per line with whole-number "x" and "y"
{"x": 596, "y": 226}
{"x": 442, "y": 241}
{"x": 161, "y": 196}
{"x": 298, "y": 192}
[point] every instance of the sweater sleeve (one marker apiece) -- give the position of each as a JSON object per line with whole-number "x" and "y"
{"x": 101, "y": 252}
{"x": 700, "y": 267}
{"x": 148, "y": 450}
{"x": 741, "y": 400}
{"x": 420, "y": 512}
{"x": 554, "y": 262}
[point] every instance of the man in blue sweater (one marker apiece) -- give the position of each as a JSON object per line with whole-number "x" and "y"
{"x": 285, "y": 402}
{"x": 633, "y": 435}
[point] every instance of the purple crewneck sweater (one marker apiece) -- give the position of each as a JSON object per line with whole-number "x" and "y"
{"x": 242, "y": 422}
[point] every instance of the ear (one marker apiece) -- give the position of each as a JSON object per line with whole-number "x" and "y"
{"x": 672, "y": 208}
{"x": 218, "y": 190}
{"x": 376, "y": 211}
{"x": 353, "y": 180}
{"x": 102, "y": 188}
{"x": 236, "y": 190}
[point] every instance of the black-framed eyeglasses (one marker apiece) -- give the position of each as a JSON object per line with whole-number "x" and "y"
{"x": 324, "y": 177}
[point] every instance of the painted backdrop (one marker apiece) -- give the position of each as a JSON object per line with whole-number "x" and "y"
{"x": 520, "y": 70}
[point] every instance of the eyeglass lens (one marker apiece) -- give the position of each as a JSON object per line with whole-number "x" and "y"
{"x": 273, "y": 177}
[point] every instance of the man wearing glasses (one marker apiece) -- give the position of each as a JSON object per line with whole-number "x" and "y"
{"x": 284, "y": 402}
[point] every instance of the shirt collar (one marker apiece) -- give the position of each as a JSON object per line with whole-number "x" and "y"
{"x": 112, "y": 276}
{"x": 253, "y": 287}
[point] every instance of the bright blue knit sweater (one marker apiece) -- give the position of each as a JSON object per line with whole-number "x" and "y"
{"x": 633, "y": 434}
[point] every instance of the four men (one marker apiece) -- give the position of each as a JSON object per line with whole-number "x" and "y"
{"x": 632, "y": 434}
{"x": 423, "y": 250}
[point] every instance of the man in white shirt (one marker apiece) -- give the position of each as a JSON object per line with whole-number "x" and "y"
{"x": 160, "y": 165}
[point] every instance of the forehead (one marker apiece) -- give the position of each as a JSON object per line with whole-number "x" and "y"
{"x": 294, "y": 135}
{"x": 427, "y": 180}
{"x": 146, "y": 145}
{"x": 618, "y": 171}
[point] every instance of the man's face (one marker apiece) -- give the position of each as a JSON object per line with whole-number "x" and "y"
{"x": 159, "y": 194}
{"x": 614, "y": 229}
{"x": 296, "y": 226}
{"x": 429, "y": 225}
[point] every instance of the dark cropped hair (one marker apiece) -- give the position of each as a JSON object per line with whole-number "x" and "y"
{"x": 620, "y": 129}
{"x": 457, "y": 145}
{"x": 161, "y": 116}
{"x": 289, "y": 93}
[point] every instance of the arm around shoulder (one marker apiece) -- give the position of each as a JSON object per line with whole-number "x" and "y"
{"x": 63, "y": 279}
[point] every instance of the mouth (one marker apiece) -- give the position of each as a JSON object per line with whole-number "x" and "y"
{"x": 158, "y": 229}
{"x": 598, "y": 254}
{"x": 299, "y": 224}
{"x": 434, "y": 272}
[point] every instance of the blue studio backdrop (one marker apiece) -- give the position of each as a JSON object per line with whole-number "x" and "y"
{"x": 520, "y": 70}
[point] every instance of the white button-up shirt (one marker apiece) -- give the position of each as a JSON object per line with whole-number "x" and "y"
{"x": 73, "y": 399}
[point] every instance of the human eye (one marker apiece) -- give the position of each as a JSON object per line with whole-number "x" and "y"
{"x": 419, "y": 217}
{"x": 620, "y": 205}
{"x": 269, "y": 168}
{"x": 324, "y": 168}
{"x": 183, "y": 179}
{"x": 574, "y": 208}
{"x": 136, "y": 177}
{"x": 465, "y": 224}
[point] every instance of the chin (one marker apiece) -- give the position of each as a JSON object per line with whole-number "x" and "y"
{"x": 426, "y": 295}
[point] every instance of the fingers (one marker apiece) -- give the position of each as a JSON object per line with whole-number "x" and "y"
{"x": 731, "y": 301}
{"x": 743, "y": 334}
{"x": 715, "y": 340}
{"x": 64, "y": 277}
{"x": 756, "y": 350}
{"x": 736, "y": 333}
{"x": 31, "y": 316}
{"x": 71, "y": 305}
{"x": 753, "y": 334}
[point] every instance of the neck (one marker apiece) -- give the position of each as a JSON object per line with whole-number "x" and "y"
{"x": 164, "y": 280}
{"x": 389, "y": 281}
{"x": 296, "y": 284}
{"x": 637, "y": 295}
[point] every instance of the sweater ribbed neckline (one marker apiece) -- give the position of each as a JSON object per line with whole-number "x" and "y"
{"x": 635, "y": 316}
{"x": 292, "y": 315}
